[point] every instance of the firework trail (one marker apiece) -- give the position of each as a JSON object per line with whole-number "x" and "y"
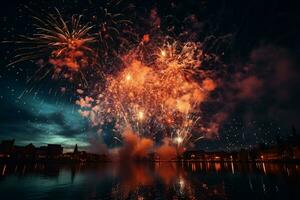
{"x": 113, "y": 28}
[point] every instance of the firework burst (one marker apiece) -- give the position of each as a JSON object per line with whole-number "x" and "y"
{"x": 65, "y": 45}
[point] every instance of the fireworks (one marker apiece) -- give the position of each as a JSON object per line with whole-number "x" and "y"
{"x": 153, "y": 101}
{"x": 67, "y": 48}
{"x": 155, "y": 87}
{"x": 65, "y": 45}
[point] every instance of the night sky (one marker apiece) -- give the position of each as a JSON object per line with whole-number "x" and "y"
{"x": 259, "y": 90}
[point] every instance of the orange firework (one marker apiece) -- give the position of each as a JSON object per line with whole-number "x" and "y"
{"x": 151, "y": 100}
{"x": 66, "y": 45}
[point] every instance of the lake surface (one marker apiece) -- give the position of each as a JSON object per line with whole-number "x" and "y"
{"x": 166, "y": 180}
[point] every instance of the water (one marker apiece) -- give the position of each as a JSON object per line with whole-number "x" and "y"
{"x": 190, "y": 180}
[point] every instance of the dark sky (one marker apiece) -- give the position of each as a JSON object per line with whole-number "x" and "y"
{"x": 260, "y": 91}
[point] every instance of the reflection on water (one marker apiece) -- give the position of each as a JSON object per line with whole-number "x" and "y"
{"x": 166, "y": 180}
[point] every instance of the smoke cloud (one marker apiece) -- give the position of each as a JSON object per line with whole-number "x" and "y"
{"x": 166, "y": 151}
{"x": 134, "y": 146}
